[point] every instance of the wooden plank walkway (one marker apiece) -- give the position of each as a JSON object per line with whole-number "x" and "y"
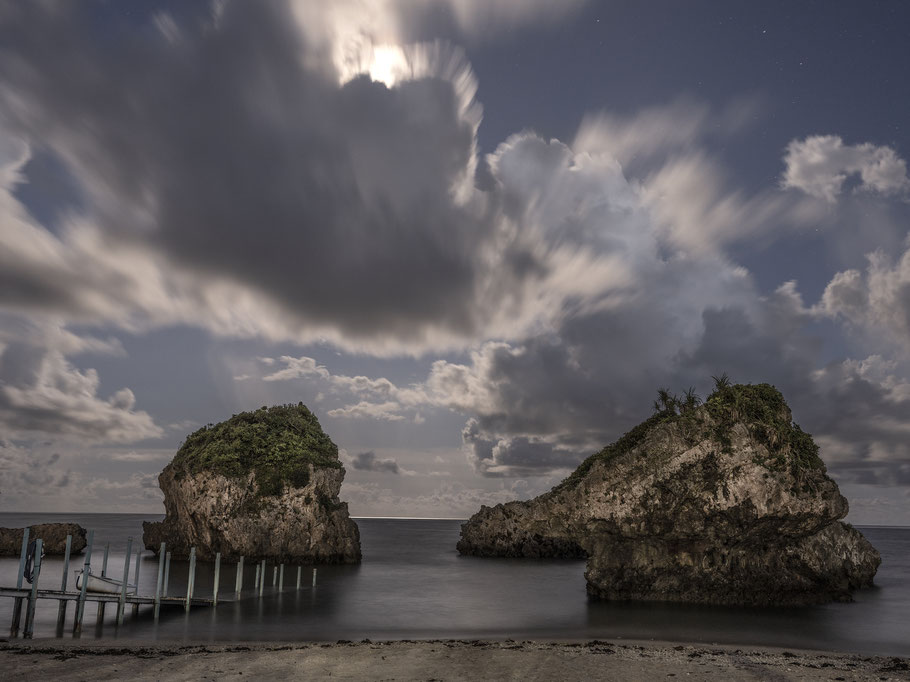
{"x": 30, "y": 595}
{"x": 25, "y": 593}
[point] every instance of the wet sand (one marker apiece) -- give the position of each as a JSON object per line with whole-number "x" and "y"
{"x": 436, "y": 660}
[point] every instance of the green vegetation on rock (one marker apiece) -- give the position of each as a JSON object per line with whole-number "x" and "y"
{"x": 277, "y": 443}
{"x": 760, "y": 407}
{"x": 763, "y": 410}
{"x": 627, "y": 442}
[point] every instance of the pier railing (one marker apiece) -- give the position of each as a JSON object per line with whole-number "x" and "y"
{"x": 29, "y": 596}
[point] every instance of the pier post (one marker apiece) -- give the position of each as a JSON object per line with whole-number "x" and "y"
{"x": 158, "y": 583}
{"x": 256, "y": 580}
{"x": 167, "y": 573}
{"x": 217, "y": 577}
{"x": 61, "y": 609}
{"x": 191, "y": 578}
{"x": 299, "y": 571}
{"x": 238, "y": 583}
{"x": 17, "y": 604}
{"x": 101, "y": 604}
{"x": 33, "y": 597}
{"x": 136, "y": 578}
{"x": 80, "y": 603}
{"x": 281, "y": 578}
{"x": 262, "y": 578}
{"x": 121, "y": 605}
{"x": 274, "y": 575}
{"x": 314, "y": 577}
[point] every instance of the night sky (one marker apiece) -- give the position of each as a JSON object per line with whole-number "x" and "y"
{"x": 473, "y": 236}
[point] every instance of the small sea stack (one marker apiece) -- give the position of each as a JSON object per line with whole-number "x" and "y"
{"x": 726, "y": 502}
{"x": 263, "y": 485}
{"x": 53, "y": 535}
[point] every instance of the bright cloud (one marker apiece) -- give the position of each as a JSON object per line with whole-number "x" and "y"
{"x": 820, "y": 165}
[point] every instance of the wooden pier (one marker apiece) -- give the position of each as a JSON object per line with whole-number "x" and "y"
{"x": 29, "y": 596}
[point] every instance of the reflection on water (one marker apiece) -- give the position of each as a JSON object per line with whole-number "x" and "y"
{"x": 413, "y": 584}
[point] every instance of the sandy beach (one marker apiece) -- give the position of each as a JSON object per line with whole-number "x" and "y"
{"x": 436, "y": 660}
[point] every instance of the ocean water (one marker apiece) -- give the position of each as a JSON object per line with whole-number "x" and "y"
{"x": 413, "y": 584}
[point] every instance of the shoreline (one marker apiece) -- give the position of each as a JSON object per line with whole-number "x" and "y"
{"x": 437, "y": 659}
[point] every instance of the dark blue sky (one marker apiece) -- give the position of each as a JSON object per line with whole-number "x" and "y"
{"x": 818, "y": 67}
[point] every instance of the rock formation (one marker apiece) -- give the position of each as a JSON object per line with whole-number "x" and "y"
{"x": 263, "y": 485}
{"x": 723, "y": 503}
{"x": 53, "y": 535}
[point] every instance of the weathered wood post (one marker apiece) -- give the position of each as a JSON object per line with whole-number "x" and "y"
{"x": 256, "y": 579}
{"x": 238, "y": 582}
{"x": 158, "y": 583}
{"x": 61, "y": 609}
{"x": 281, "y": 578}
{"x": 17, "y": 604}
{"x": 262, "y": 578}
{"x": 86, "y": 569}
{"x": 299, "y": 571}
{"x": 314, "y": 577}
{"x": 274, "y": 575}
{"x": 217, "y": 577}
{"x": 167, "y": 573}
{"x": 191, "y": 578}
{"x": 33, "y": 597}
{"x": 136, "y": 579}
{"x": 121, "y": 604}
{"x": 101, "y": 604}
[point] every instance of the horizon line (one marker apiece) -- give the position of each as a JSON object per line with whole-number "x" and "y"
{"x": 416, "y": 518}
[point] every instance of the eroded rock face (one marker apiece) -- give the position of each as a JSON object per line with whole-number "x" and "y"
{"x": 53, "y": 535}
{"x": 681, "y": 516}
{"x": 219, "y": 514}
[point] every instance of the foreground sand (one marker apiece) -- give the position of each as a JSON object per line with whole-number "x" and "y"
{"x": 434, "y": 660}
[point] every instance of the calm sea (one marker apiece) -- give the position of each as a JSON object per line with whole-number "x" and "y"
{"x": 412, "y": 584}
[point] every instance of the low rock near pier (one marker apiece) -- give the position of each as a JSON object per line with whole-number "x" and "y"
{"x": 53, "y": 536}
{"x": 724, "y": 503}
{"x": 263, "y": 485}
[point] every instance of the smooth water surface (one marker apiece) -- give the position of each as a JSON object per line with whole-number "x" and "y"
{"x": 412, "y": 584}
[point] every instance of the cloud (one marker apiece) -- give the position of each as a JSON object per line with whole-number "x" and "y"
{"x": 46, "y": 394}
{"x": 537, "y": 407}
{"x": 693, "y": 208}
{"x": 142, "y": 456}
{"x": 349, "y": 189}
{"x": 489, "y": 17}
{"x": 820, "y": 165}
{"x": 161, "y": 243}
{"x": 296, "y": 368}
{"x": 368, "y": 461}
{"x": 340, "y": 225}
{"x": 349, "y": 29}
{"x": 23, "y": 473}
{"x": 449, "y": 499}
{"x": 42, "y": 392}
{"x": 497, "y": 455}
{"x": 876, "y": 302}
{"x": 39, "y": 476}
{"x": 659, "y": 131}
{"x": 387, "y": 411}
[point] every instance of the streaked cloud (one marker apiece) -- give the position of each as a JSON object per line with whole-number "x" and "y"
{"x": 368, "y": 461}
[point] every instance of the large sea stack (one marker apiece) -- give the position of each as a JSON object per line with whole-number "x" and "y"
{"x": 263, "y": 485}
{"x": 725, "y": 502}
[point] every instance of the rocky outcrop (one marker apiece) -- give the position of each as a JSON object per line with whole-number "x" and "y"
{"x": 265, "y": 487}
{"x": 724, "y": 503}
{"x": 53, "y": 536}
